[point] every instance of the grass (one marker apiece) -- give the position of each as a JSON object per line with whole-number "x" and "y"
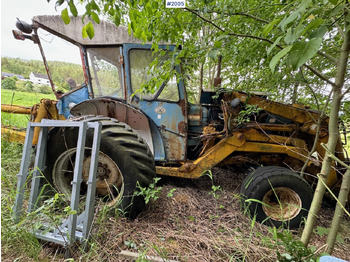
{"x": 23, "y": 99}
{"x": 16, "y": 240}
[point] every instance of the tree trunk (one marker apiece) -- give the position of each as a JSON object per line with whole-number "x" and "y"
{"x": 295, "y": 93}
{"x": 326, "y": 167}
{"x": 339, "y": 211}
{"x": 201, "y": 73}
{"x": 333, "y": 135}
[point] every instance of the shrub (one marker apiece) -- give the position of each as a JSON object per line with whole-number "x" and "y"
{"x": 44, "y": 89}
{"x": 9, "y": 83}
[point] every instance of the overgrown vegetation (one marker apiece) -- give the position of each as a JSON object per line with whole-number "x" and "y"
{"x": 15, "y": 238}
{"x": 187, "y": 221}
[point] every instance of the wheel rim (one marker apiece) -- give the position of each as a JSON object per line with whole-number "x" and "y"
{"x": 281, "y": 204}
{"x": 109, "y": 179}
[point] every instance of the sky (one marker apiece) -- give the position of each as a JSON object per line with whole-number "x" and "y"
{"x": 55, "y": 48}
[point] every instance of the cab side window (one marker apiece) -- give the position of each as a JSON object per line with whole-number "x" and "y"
{"x": 140, "y": 60}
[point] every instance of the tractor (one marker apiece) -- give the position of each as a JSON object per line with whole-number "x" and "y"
{"x": 162, "y": 133}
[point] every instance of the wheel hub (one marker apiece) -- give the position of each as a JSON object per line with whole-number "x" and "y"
{"x": 109, "y": 179}
{"x": 108, "y": 174}
{"x": 281, "y": 204}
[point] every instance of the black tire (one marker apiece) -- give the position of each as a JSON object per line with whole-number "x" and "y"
{"x": 121, "y": 148}
{"x": 286, "y": 196}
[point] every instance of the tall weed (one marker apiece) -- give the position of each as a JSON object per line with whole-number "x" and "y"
{"x": 16, "y": 239}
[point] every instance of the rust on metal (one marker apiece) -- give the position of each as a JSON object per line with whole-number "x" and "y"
{"x": 57, "y": 94}
{"x": 182, "y": 127}
{"x": 15, "y": 109}
{"x": 183, "y": 105}
{"x": 296, "y": 114}
{"x": 118, "y": 110}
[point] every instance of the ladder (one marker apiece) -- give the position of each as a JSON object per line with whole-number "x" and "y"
{"x": 77, "y": 227}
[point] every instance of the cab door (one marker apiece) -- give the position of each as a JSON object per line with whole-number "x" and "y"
{"x": 166, "y": 106}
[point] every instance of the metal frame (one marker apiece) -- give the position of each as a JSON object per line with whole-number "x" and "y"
{"x": 76, "y": 227}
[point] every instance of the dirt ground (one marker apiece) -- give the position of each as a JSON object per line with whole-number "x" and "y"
{"x": 195, "y": 225}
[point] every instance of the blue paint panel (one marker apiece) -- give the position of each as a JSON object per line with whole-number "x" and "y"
{"x": 158, "y": 144}
{"x": 73, "y": 98}
{"x": 169, "y": 117}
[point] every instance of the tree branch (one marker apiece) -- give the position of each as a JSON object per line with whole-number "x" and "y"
{"x": 243, "y": 14}
{"x": 345, "y": 92}
{"x": 223, "y": 30}
{"x": 331, "y": 155}
{"x": 252, "y": 16}
{"x": 320, "y": 75}
{"x": 204, "y": 19}
{"x": 328, "y": 56}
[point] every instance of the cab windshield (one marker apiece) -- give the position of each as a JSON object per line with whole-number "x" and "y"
{"x": 105, "y": 71}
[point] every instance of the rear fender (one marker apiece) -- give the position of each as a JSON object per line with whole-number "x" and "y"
{"x": 126, "y": 114}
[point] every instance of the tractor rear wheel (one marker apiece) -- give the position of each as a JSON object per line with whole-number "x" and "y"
{"x": 124, "y": 163}
{"x": 276, "y": 195}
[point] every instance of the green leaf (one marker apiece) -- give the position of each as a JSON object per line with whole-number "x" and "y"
{"x": 149, "y": 9}
{"x": 278, "y": 57}
{"x": 293, "y": 35}
{"x": 304, "y": 4}
{"x": 289, "y": 19}
{"x": 84, "y": 33}
{"x": 312, "y": 25}
{"x": 217, "y": 44}
{"x": 319, "y": 32}
{"x": 138, "y": 32}
{"x": 334, "y": 2}
{"x": 88, "y": 30}
{"x": 149, "y": 36}
{"x": 72, "y": 8}
{"x": 322, "y": 231}
{"x": 95, "y": 17}
{"x": 213, "y": 54}
{"x": 132, "y": 25}
{"x": 116, "y": 18}
{"x": 303, "y": 52}
{"x": 287, "y": 256}
{"x": 129, "y": 29}
{"x": 144, "y": 36}
{"x": 106, "y": 7}
{"x": 94, "y": 6}
{"x": 65, "y": 16}
{"x": 274, "y": 45}
{"x": 267, "y": 28}
{"x": 59, "y": 3}
{"x": 338, "y": 10}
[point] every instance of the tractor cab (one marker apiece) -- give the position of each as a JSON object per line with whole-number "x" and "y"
{"x": 115, "y": 66}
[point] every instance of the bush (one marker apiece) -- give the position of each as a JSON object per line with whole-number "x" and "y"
{"x": 44, "y": 89}
{"x": 26, "y": 86}
{"x": 9, "y": 83}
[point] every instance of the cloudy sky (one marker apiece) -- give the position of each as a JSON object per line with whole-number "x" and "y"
{"x": 54, "y": 47}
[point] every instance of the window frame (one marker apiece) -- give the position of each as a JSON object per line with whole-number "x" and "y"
{"x": 119, "y": 50}
{"x": 161, "y": 88}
